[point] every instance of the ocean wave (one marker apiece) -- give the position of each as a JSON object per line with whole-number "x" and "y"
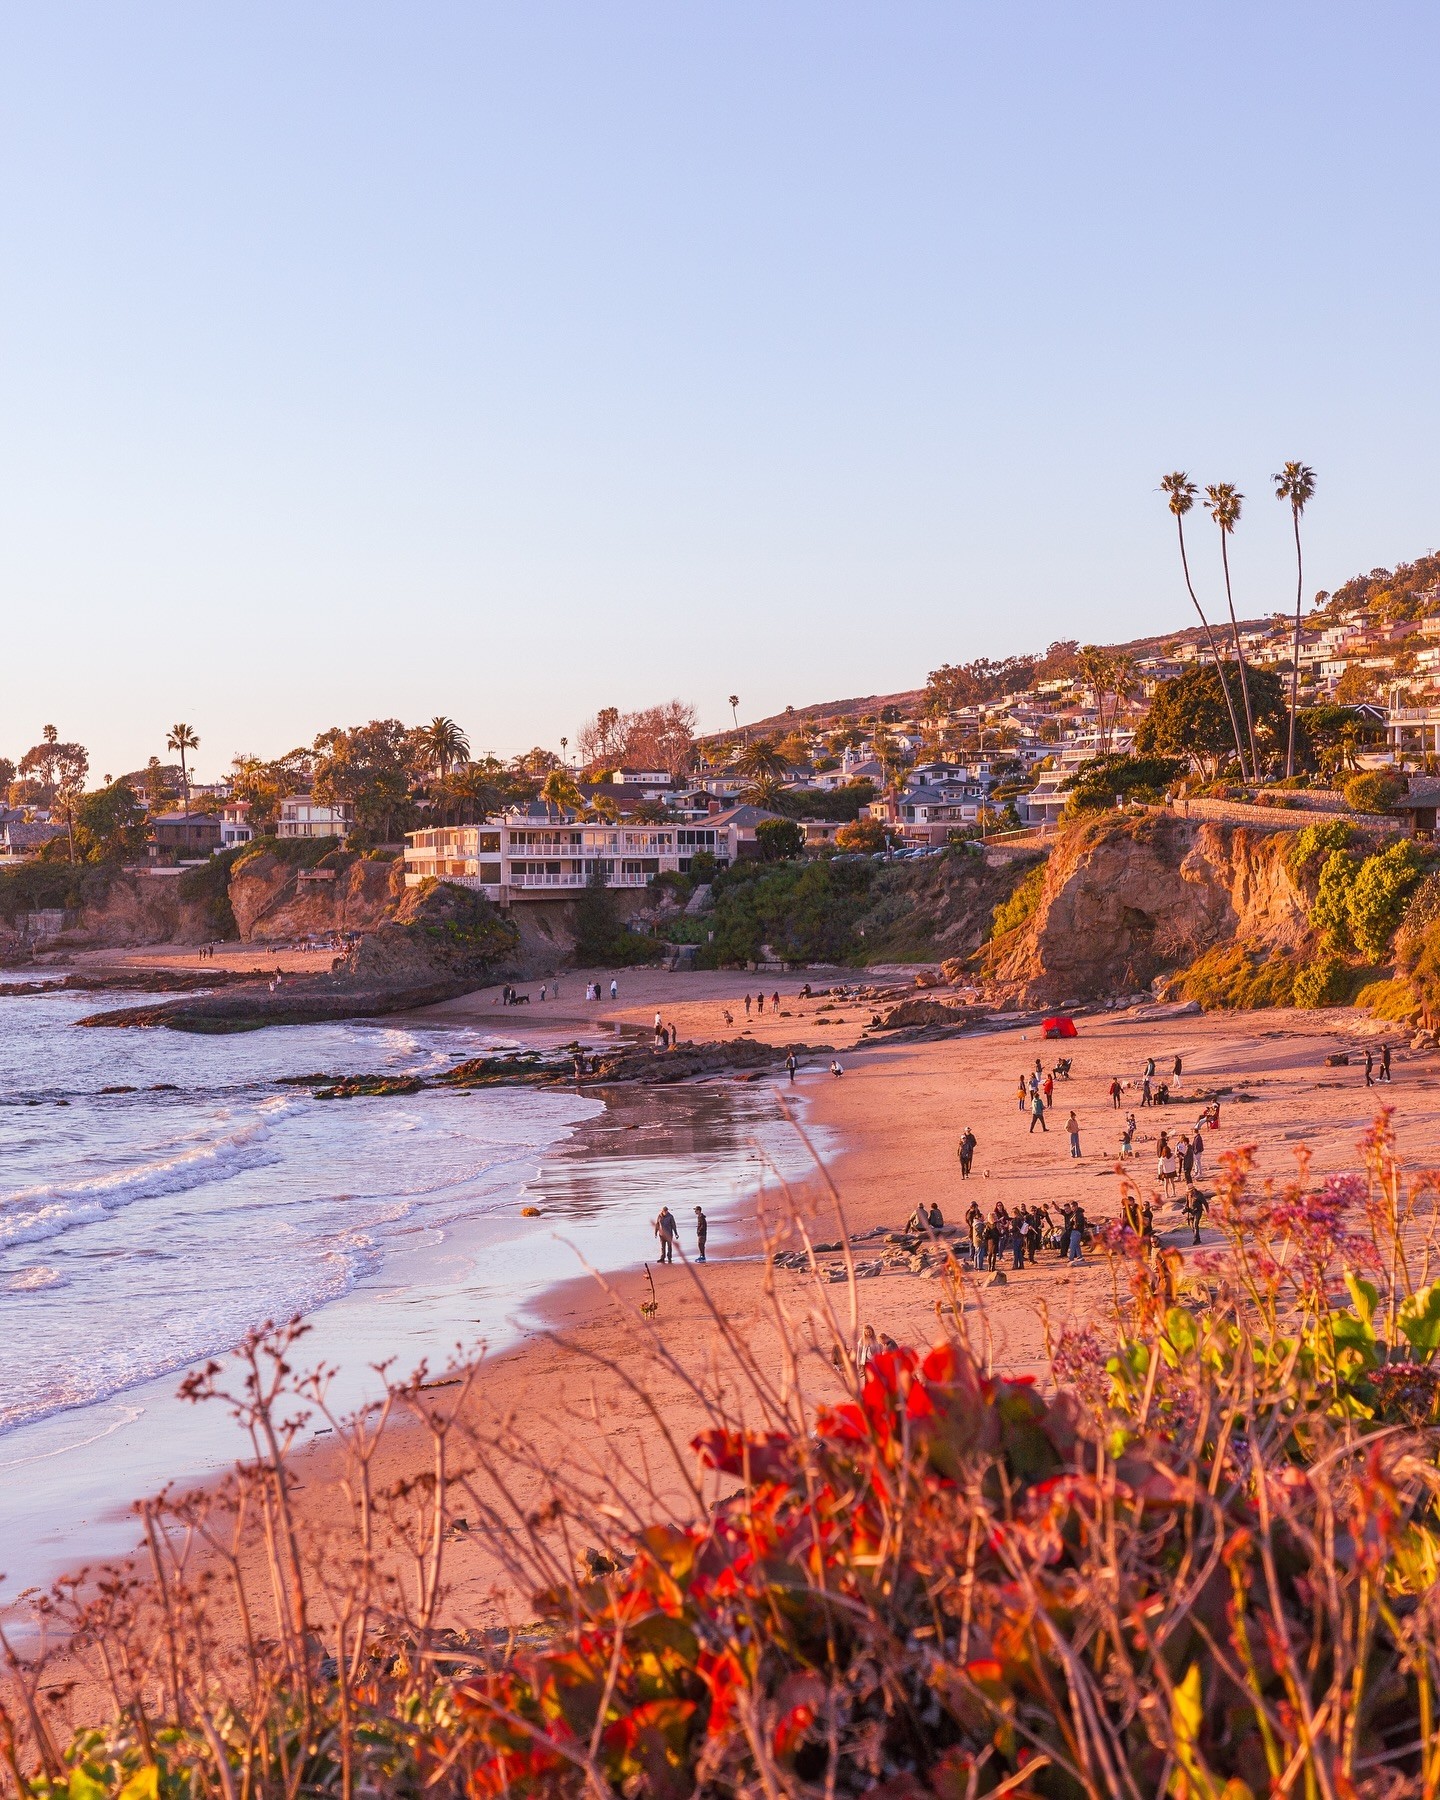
{"x": 33, "y": 1280}
{"x": 33, "y": 1215}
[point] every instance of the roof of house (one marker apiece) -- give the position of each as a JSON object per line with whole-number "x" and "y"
{"x": 20, "y": 834}
{"x": 744, "y": 818}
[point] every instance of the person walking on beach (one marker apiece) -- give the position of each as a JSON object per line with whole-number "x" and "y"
{"x": 1037, "y": 1112}
{"x": 1077, "y": 1232}
{"x": 1047, "y": 1088}
{"x": 1195, "y": 1207}
{"x": 1072, "y": 1126}
{"x": 966, "y": 1153}
{"x": 775, "y": 1003}
{"x": 1146, "y": 1098}
{"x": 1115, "y": 1092}
{"x": 614, "y": 988}
{"x": 790, "y": 1065}
{"x": 760, "y": 1003}
{"x": 702, "y": 1231}
{"x": 1176, "y": 1072}
{"x": 1384, "y": 1060}
{"x": 747, "y": 1006}
{"x": 1022, "y": 1094}
{"x": 1369, "y": 1067}
{"x": 667, "y": 1231}
{"x": 1149, "y": 1068}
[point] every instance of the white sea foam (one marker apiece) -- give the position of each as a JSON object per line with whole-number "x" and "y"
{"x": 32, "y": 1215}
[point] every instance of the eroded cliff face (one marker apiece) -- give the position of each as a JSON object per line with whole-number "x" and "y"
{"x": 273, "y": 900}
{"x": 134, "y": 911}
{"x": 1125, "y": 900}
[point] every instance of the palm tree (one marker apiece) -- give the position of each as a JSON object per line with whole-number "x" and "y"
{"x": 1223, "y": 501}
{"x": 559, "y": 789}
{"x": 761, "y": 759}
{"x": 735, "y": 709}
{"x": 1295, "y": 483}
{"x": 445, "y": 744}
{"x": 1181, "y": 492}
{"x": 183, "y": 739}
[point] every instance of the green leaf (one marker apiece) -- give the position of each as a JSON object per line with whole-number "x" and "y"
{"x": 1419, "y": 1319}
{"x": 1365, "y": 1296}
{"x": 83, "y": 1786}
{"x": 1181, "y": 1330}
{"x": 143, "y": 1785}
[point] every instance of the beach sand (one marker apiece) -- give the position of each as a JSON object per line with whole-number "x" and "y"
{"x": 600, "y": 1389}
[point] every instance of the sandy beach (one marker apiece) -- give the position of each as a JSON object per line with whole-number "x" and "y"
{"x": 597, "y": 1389}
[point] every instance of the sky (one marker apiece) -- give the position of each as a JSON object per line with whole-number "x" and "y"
{"x": 511, "y": 361}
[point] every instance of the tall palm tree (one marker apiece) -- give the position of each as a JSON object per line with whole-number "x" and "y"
{"x": 1296, "y": 484}
{"x": 735, "y": 709}
{"x": 445, "y": 744}
{"x": 183, "y": 739}
{"x": 1223, "y": 501}
{"x": 1180, "y": 491}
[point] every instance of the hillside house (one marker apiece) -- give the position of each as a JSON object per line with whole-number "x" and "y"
{"x": 176, "y": 838}
{"x": 303, "y": 816}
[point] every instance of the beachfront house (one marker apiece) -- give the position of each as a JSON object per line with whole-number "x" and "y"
{"x": 543, "y": 852}
{"x": 303, "y": 816}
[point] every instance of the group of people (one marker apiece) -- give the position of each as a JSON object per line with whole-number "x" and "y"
{"x": 759, "y": 1004}
{"x": 667, "y": 1230}
{"x": 1024, "y": 1233}
{"x": 1370, "y": 1076}
{"x": 592, "y": 990}
{"x": 665, "y": 1035}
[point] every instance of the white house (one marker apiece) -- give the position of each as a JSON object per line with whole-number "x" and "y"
{"x": 235, "y": 826}
{"x": 303, "y": 816}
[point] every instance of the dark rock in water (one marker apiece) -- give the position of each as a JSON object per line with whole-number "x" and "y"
{"x": 363, "y": 1086}
{"x": 117, "y": 1090}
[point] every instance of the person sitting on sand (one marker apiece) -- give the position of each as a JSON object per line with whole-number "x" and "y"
{"x": 835, "y": 1068}
{"x": 935, "y": 1218}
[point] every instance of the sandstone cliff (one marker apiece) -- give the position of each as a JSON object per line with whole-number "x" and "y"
{"x": 274, "y": 900}
{"x": 1126, "y": 899}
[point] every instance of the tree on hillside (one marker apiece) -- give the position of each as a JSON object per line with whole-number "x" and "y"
{"x": 182, "y": 739}
{"x": 735, "y": 710}
{"x": 371, "y": 768}
{"x": 1335, "y": 733}
{"x": 1180, "y": 494}
{"x": 41, "y": 758}
{"x": 444, "y": 744}
{"x": 1223, "y": 500}
{"x": 72, "y": 765}
{"x": 1191, "y": 715}
{"x": 1296, "y": 484}
{"x": 109, "y": 824}
{"x": 779, "y": 840}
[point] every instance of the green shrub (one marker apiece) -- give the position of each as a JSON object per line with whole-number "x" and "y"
{"x": 1023, "y": 903}
{"x": 1378, "y": 896}
{"x": 1322, "y": 982}
{"x": 210, "y": 885}
{"x": 780, "y": 840}
{"x": 1232, "y": 977}
{"x": 805, "y": 911}
{"x": 1308, "y": 849}
{"x": 1131, "y": 777}
{"x": 601, "y": 937}
{"x": 1330, "y": 914}
{"x": 1374, "y": 791}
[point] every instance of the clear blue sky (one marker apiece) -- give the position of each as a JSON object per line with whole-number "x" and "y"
{"x": 509, "y": 361}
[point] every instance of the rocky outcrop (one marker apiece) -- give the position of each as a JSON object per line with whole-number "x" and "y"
{"x": 437, "y": 932}
{"x": 130, "y": 911}
{"x": 1127, "y": 899}
{"x": 275, "y": 900}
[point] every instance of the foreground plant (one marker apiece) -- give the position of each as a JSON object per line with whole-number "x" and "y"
{"x": 1201, "y": 1564}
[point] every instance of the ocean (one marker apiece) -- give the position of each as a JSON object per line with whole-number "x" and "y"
{"x": 144, "y": 1232}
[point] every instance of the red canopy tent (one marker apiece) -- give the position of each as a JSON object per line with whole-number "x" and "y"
{"x": 1058, "y": 1027}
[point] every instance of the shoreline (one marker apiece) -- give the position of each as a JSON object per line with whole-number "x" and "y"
{"x": 445, "y": 1288}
